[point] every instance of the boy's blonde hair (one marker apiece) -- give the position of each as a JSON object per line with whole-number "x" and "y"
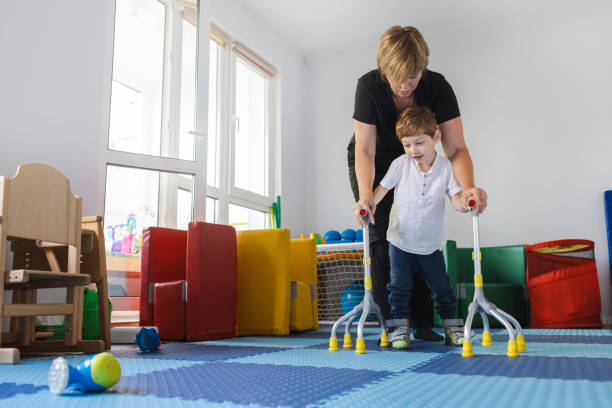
{"x": 414, "y": 121}
{"x": 402, "y": 53}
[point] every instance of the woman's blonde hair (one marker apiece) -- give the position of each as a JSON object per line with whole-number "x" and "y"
{"x": 402, "y": 53}
{"x": 415, "y": 120}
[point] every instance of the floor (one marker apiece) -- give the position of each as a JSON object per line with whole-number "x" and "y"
{"x": 561, "y": 368}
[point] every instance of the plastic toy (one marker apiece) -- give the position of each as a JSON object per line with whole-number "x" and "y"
{"x": 349, "y": 235}
{"x": 94, "y": 373}
{"x": 352, "y": 295}
{"x": 367, "y": 306}
{"x": 147, "y": 339}
{"x": 483, "y": 306}
{"x": 123, "y": 238}
{"x": 332, "y": 235}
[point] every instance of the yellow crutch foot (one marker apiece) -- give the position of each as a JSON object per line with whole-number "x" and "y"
{"x": 360, "y": 349}
{"x": 467, "y": 349}
{"x": 520, "y": 342}
{"x": 348, "y": 341}
{"x": 333, "y": 344}
{"x": 512, "y": 349}
{"x": 383, "y": 340}
{"x": 486, "y": 339}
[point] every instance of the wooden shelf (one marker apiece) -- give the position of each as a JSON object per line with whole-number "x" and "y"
{"x": 123, "y": 263}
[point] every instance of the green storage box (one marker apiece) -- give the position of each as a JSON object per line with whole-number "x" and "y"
{"x": 503, "y": 270}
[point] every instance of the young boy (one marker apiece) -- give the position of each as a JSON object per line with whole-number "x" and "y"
{"x": 421, "y": 179}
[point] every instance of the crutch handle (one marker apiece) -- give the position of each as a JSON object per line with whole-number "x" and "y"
{"x": 363, "y": 213}
{"x": 473, "y": 204}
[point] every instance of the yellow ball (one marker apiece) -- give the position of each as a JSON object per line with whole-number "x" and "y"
{"x": 105, "y": 370}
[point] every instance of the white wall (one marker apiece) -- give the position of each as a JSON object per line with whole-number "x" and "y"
{"x": 55, "y": 81}
{"x": 533, "y": 86}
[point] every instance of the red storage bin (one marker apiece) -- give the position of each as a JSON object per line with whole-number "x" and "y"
{"x": 212, "y": 273}
{"x": 562, "y": 284}
{"x": 169, "y": 309}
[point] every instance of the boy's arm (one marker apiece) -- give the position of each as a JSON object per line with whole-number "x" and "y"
{"x": 458, "y": 202}
{"x": 379, "y": 194}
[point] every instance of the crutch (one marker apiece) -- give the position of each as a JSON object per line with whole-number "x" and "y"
{"x": 367, "y": 306}
{"x": 481, "y": 305}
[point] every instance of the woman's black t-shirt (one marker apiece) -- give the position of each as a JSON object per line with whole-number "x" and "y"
{"x": 374, "y": 105}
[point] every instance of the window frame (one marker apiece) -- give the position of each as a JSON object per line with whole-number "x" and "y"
{"x": 227, "y": 193}
{"x": 170, "y": 116}
{"x": 127, "y": 307}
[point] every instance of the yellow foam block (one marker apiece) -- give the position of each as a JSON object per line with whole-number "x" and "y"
{"x": 263, "y": 282}
{"x": 300, "y": 317}
{"x": 304, "y": 269}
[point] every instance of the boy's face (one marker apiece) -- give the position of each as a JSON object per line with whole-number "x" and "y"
{"x": 421, "y": 148}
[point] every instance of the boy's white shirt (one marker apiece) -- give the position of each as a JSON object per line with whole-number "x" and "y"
{"x": 416, "y": 221}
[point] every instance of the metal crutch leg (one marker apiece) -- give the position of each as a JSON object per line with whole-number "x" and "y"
{"x": 364, "y": 308}
{"x": 482, "y": 305}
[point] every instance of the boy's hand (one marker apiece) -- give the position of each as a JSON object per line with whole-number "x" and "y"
{"x": 366, "y": 204}
{"x": 477, "y": 194}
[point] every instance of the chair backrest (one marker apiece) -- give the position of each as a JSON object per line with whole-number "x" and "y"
{"x": 38, "y": 204}
{"x": 94, "y": 257}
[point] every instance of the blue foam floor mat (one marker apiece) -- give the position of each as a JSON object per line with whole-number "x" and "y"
{"x": 561, "y": 368}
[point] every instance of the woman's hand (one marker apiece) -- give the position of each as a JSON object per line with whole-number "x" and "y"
{"x": 367, "y": 204}
{"x": 477, "y": 194}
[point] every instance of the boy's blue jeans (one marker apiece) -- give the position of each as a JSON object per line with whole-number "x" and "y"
{"x": 433, "y": 270}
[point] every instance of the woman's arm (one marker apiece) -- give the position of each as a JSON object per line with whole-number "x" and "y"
{"x": 365, "y": 150}
{"x": 456, "y": 150}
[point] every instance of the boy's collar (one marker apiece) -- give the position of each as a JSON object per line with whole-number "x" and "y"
{"x": 433, "y": 163}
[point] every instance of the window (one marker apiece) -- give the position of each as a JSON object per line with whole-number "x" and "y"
{"x": 154, "y": 160}
{"x": 240, "y": 142}
{"x": 166, "y": 161}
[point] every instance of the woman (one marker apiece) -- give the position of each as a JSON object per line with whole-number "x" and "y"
{"x": 402, "y": 80}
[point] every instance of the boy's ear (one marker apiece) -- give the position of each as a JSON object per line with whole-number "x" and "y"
{"x": 437, "y": 135}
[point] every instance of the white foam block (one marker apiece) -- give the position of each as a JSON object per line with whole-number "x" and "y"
{"x": 126, "y": 334}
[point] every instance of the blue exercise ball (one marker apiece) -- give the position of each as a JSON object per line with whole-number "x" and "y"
{"x": 359, "y": 236}
{"x": 332, "y": 235}
{"x": 349, "y": 235}
{"x": 352, "y": 296}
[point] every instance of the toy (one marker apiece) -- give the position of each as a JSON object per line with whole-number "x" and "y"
{"x": 147, "y": 339}
{"x": 94, "y": 373}
{"x": 123, "y": 238}
{"x": 352, "y": 296}
{"x": 483, "y": 306}
{"x": 364, "y": 308}
{"x": 332, "y": 235}
{"x": 349, "y": 235}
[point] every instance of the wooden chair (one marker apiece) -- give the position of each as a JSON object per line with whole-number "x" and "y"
{"x": 27, "y": 254}
{"x": 38, "y": 205}
{"x": 94, "y": 265}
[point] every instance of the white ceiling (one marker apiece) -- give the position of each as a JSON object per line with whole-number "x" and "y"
{"x": 323, "y": 26}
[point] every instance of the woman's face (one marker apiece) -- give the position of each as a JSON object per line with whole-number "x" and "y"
{"x": 406, "y": 88}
